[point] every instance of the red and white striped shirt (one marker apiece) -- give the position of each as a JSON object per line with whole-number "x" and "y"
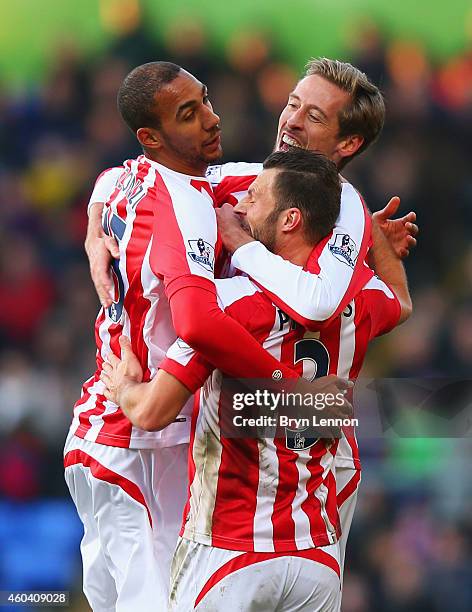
{"x": 148, "y": 206}
{"x": 258, "y": 494}
{"x": 320, "y": 291}
{"x": 148, "y": 252}
{"x": 308, "y": 297}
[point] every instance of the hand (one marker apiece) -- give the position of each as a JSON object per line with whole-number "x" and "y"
{"x": 400, "y": 233}
{"x": 119, "y": 374}
{"x": 100, "y": 250}
{"x": 331, "y": 394}
{"x": 230, "y": 229}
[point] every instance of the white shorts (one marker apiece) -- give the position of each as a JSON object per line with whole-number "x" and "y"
{"x": 131, "y": 504}
{"x": 347, "y": 486}
{"x": 205, "y": 578}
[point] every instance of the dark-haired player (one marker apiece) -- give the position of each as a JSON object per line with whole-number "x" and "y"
{"x": 128, "y": 484}
{"x": 261, "y": 526}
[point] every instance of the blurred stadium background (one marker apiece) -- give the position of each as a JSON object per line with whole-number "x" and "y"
{"x": 60, "y": 67}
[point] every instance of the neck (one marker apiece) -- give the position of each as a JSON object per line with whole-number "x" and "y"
{"x": 295, "y": 250}
{"x": 182, "y": 166}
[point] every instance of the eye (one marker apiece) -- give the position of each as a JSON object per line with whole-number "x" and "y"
{"x": 206, "y": 99}
{"x": 189, "y": 116}
{"x": 314, "y": 118}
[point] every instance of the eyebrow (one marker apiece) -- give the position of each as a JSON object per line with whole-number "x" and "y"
{"x": 191, "y": 103}
{"x": 317, "y": 108}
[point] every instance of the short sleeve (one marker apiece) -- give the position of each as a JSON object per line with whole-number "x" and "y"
{"x": 382, "y": 306}
{"x": 184, "y": 230}
{"x": 104, "y": 186}
{"x": 231, "y": 181}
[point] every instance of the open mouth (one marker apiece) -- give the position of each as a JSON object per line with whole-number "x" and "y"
{"x": 287, "y": 142}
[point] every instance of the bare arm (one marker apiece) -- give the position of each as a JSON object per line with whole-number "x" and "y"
{"x": 100, "y": 249}
{"x": 389, "y": 267}
{"x": 154, "y": 405}
{"x": 148, "y": 405}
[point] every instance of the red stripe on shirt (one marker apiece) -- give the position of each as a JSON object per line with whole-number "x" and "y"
{"x": 282, "y": 519}
{"x": 168, "y": 252}
{"x": 348, "y": 489}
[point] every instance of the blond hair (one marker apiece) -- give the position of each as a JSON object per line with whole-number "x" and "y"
{"x": 364, "y": 115}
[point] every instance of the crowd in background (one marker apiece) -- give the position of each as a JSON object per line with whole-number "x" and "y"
{"x": 410, "y": 546}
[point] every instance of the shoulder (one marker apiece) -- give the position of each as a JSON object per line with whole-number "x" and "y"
{"x": 379, "y": 303}
{"x": 216, "y": 174}
{"x": 109, "y": 174}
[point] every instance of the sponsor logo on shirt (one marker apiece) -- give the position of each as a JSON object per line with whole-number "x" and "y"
{"x": 344, "y": 249}
{"x": 202, "y": 253}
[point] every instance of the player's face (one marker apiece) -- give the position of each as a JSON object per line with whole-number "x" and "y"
{"x": 258, "y": 209}
{"x": 190, "y": 131}
{"x": 310, "y": 119}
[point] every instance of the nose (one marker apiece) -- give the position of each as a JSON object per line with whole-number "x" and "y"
{"x": 295, "y": 121}
{"x": 241, "y": 207}
{"x": 212, "y": 120}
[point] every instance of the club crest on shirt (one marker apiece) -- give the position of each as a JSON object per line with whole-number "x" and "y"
{"x": 203, "y": 253}
{"x": 299, "y": 439}
{"x": 344, "y": 249}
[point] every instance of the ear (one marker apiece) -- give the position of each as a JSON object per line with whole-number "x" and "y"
{"x": 349, "y": 145}
{"x": 291, "y": 219}
{"x": 149, "y": 138}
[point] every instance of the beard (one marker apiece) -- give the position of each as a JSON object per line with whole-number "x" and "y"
{"x": 192, "y": 155}
{"x": 266, "y": 232}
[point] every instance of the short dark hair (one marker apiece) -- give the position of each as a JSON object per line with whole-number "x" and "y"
{"x": 365, "y": 113}
{"x": 310, "y": 182}
{"x": 137, "y": 95}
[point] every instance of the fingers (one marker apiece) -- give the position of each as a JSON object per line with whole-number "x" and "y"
{"x": 346, "y": 409}
{"x": 225, "y": 208}
{"x": 106, "y": 376}
{"x": 389, "y": 210}
{"x": 404, "y": 251}
{"x": 107, "y": 368}
{"x": 113, "y": 361}
{"x": 412, "y": 228}
{"x": 410, "y": 217}
{"x": 125, "y": 345}
{"x": 100, "y": 252}
{"x": 112, "y": 247}
{"x": 107, "y": 381}
{"x": 343, "y": 384}
{"x": 103, "y": 284}
{"x": 111, "y": 364}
